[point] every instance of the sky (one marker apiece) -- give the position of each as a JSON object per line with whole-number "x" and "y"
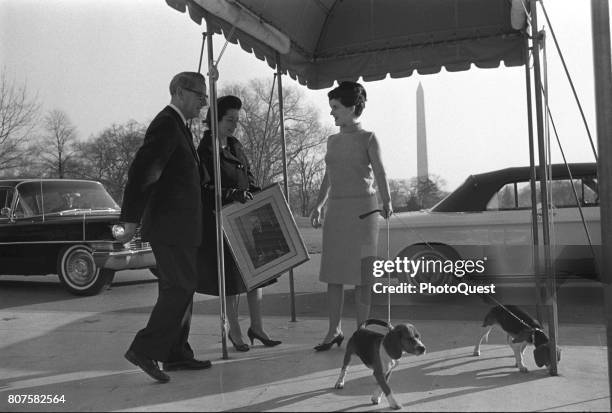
{"x": 105, "y": 62}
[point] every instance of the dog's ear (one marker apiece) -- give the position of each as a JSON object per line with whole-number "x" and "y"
{"x": 539, "y": 337}
{"x": 541, "y": 354}
{"x": 393, "y": 343}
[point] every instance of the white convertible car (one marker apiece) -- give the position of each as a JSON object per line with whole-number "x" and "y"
{"x": 484, "y": 228}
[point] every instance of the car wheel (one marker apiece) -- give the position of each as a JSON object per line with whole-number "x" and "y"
{"x": 436, "y": 255}
{"x": 78, "y": 272}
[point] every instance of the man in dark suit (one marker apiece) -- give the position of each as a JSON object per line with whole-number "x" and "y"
{"x": 163, "y": 194}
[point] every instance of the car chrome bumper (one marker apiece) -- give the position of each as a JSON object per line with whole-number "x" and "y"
{"x": 124, "y": 260}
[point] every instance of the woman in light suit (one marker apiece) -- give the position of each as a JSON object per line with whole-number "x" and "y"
{"x": 352, "y": 162}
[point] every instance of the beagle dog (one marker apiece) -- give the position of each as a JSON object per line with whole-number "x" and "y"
{"x": 381, "y": 353}
{"x": 521, "y": 329}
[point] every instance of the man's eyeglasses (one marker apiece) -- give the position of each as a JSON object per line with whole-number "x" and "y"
{"x": 200, "y": 95}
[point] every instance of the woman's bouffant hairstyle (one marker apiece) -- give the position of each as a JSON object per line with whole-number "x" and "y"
{"x": 224, "y": 104}
{"x": 350, "y": 94}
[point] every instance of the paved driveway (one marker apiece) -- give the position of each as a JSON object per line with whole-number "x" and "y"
{"x": 52, "y": 343}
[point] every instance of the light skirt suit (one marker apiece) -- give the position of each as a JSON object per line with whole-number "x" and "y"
{"x": 349, "y": 243}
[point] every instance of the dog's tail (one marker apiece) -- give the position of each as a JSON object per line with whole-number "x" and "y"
{"x": 377, "y": 322}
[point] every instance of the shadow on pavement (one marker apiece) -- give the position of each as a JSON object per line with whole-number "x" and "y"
{"x": 90, "y": 385}
{"x": 575, "y": 305}
{"x": 46, "y": 289}
{"x": 19, "y": 293}
{"x": 416, "y": 379}
{"x": 82, "y": 359}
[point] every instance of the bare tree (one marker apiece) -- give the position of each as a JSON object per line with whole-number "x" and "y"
{"x": 57, "y": 144}
{"x": 308, "y": 169}
{"x": 18, "y": 115}
{"x": 107, "y": 157}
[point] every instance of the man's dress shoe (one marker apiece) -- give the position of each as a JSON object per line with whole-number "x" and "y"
{"x": 147, "y": 365}
{"x": 188, "y": 364}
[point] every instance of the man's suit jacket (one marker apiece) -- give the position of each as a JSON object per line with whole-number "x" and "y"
{"x": 163, "y": 191}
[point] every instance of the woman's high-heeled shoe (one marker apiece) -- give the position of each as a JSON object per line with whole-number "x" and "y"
{"x": 326, "y": 346}
{"x": 266, "y": 342}
{"x": 238, "y": 347}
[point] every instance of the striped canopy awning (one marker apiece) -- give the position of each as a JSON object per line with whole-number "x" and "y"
{"x": 318, "y": 42}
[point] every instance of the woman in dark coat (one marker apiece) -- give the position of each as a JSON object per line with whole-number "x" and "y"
{"x": 238, "y": 184}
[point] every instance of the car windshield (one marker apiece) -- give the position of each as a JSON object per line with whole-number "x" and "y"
{"x": 36, "y": 198}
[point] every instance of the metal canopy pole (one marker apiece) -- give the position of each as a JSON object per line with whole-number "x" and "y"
{"x": 534, "y": 208}
{"x": 551, "y": 296}
{"x": 285, "y": 179}
{"x": 600, "y": 22}
{"x": 218, "y": 200}
{"x": 202, "y": 52}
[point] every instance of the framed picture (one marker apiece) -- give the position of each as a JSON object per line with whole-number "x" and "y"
{"x": 263, "y": 237}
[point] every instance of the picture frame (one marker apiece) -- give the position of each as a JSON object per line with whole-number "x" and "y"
{"x": 263, "y": 237}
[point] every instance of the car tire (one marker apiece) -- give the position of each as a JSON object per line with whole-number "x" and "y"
{"x": 430, "y": 252}
{"x": 79, "y": 273}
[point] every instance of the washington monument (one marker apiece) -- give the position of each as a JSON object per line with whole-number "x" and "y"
{"x": 422, "y": 171}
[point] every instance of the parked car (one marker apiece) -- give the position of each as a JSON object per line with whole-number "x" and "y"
{"x": 65, "y": 227}
{"x": 489, "y": 219}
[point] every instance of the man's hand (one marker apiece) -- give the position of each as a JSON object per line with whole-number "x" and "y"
{"x": 129, "y": 231}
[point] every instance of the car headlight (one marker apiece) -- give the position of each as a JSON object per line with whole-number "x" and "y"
{"x": 118, "y": 231}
